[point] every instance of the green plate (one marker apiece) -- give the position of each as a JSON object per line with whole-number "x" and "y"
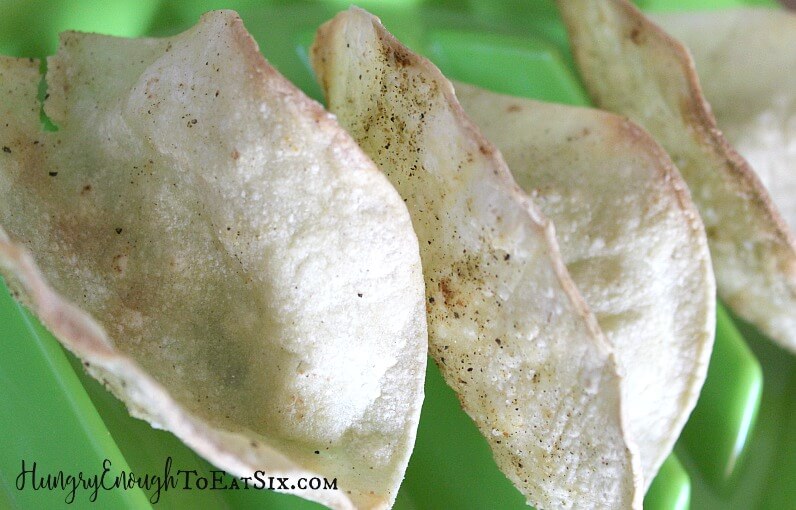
{"x": 738, "y": 450}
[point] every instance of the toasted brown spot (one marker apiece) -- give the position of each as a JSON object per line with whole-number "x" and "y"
{"x": 119, "y": 263}
{"x": 402, "y": 58}
{"x": 447, "y": 293}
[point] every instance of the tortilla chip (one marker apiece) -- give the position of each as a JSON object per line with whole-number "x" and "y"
{"x": 507, "y": 327}
{"x": 746, "y": 61}
{"x": 632, "y": 241}
{"x": 631, "y": 66}
{"x": 220, "y": 254}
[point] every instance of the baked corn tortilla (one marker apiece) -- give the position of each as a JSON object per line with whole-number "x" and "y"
{"x": 631, "y": 66}
{"x": 631, "y": 239}
{"x": 746, "y": 62}
{"x": 507, "y": 327}
{"x": 219, "y": 253}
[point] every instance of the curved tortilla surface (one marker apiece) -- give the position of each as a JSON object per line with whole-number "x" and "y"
{"x": 220, "y": 254}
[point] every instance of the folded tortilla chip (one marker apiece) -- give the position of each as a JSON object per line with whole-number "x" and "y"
{"x": 631, "y": 239}
{"x": 631, "y": 66}
{"x": 746, "y": 61}
{"x": 220, "y": 254}
{"x": 507, "y": 327}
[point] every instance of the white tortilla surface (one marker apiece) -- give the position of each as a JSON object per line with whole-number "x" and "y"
{"x": 631, "y": 66}
{"x": 219, "y": 253}
{"x": 507, "y": 326}
{"x": 631, "y": 239}
{"x": 746, "y": 61}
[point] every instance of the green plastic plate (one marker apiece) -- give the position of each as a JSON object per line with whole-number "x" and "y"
{"x": 738, "y": 450}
